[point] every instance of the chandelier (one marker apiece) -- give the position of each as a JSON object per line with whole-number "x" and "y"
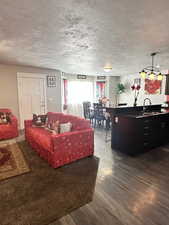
{"x": 151, "y": 72}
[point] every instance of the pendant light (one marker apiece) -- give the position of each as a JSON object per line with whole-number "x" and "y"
{"x": 143, "y": 74}
{"x": 152, "y": 72}
{"x": 151, "y": 75}
{"x": 160, "y": 76}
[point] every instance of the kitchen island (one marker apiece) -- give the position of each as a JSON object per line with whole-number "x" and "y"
{"x": 136, "y": 130}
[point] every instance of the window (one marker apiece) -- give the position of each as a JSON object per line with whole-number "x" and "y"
{"x": 80, "y": 91}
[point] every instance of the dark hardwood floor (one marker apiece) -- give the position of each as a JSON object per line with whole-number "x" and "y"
{"x": 129, "y": 190}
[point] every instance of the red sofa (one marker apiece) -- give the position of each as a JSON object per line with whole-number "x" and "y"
{"x": 63, "y": 148}
{"x": 9, "y": 130}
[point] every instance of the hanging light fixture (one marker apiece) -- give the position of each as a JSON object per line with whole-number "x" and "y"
{"x": 152, "y": 72}
{"x": 143, "y": 74}
{"x": 160, "y": 76}
{"x": 152, "y": 75}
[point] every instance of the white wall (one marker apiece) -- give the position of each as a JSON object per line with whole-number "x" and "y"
{"x": 113, "y": 82}
{"x": 128, "y": 96}
{"x": 9, "y": 91}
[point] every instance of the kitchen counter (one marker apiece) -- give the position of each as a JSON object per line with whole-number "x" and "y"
{"x": 134, "y": 132}
{"x": 145, "y": 114}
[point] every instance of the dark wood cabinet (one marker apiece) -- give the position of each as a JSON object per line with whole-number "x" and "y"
{"x": 134, "y": 135}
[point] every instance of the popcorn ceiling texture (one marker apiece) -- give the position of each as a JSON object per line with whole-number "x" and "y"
{"x": 77, "y": 36}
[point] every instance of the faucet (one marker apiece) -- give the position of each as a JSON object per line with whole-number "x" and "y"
{"x": 144, "y": 103}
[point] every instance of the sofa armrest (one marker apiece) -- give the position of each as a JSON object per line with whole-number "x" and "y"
{"x": 74, "y": 140}
{"x": 28, "y": 123}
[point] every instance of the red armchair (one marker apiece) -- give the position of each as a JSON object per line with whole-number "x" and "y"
{"x": 63, "y": 148}
{"x": 9, "y": 130}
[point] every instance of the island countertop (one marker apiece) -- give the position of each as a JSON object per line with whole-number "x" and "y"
{"x": 144, "y": 114}
{"x": 133, "y": 110}
{"x": 135, "y": 130}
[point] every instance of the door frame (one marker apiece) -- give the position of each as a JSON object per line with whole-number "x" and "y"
{"x": 21, "y": 75}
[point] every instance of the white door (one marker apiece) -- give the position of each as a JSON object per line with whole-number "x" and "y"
{"x": 32, "y": 96}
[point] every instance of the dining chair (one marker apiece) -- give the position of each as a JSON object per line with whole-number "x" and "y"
{"x": 87, "y": 112}
{"x": 99, "y": 116}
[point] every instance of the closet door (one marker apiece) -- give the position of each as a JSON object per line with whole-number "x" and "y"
{"x": 32, "y": 96}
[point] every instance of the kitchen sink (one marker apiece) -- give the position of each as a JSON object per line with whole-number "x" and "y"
{"x": 150, "y": 113}
{"x": 145, "y": 114}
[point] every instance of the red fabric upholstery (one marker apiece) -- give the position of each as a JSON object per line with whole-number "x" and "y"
{"x": 41, "y": 136}
{"x": 5, "y": 110}
{"x": 77, "y": 122}
{"x": 10, "y": 130}
{"x": 63, "y": 148}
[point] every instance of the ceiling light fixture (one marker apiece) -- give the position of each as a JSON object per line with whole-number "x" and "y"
{"x": 152, "y": 72}
{"x": 107, "y": 68}
{"x": 160, "y": 76}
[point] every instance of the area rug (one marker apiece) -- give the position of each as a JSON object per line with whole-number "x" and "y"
{"x": 46, "y": 194}
{"x": 12, "y": 162}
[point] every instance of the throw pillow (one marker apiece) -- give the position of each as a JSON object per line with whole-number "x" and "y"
{"x": 53, "y": 127}
{"x": 65, "y": 127}
{"x": 39, "y": 120}
{"x": 4, "y": 118}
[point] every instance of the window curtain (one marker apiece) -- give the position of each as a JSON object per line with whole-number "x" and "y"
{"x": 100, "y": 89}
{"x": 65, "y": 93}
{"x": 79, "y": 92}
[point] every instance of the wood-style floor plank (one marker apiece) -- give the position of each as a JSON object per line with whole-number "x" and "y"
{"x": 129, "y": 190}
{"x": 66, "y": 220}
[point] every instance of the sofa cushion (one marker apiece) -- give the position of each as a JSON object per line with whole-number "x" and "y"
{"x": 77, "y": 122}
{"x": 41, "y": 136}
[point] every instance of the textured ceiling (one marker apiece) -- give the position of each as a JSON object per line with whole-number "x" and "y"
{"x": 82, "y": 36}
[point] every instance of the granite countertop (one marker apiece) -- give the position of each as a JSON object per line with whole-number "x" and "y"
{"x": 146, "y": 114}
